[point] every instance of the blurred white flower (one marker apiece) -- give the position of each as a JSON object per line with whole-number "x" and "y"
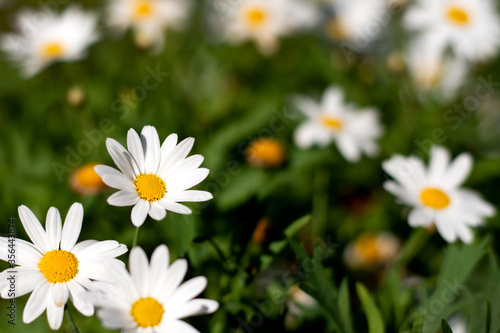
{"x": 359, "y": 21}
{"x": 443, "y": 75}
{"x": 151, "y": 298}
{"x": 265, "y": 21}
{"x": 471, "y": 28}
{"x": 55, "y": 267}
{"x": 153, "y": 178}
{"x": 435, "y": 193}
{"x": 44, "y": 38}
{"x": 148, "y": 18}
{"x": 457, "y": 324}
{"x": 354, "y": 130}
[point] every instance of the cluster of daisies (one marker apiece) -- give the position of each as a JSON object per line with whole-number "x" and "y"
{"x": 150, "y": 296}
{"x": 447, "y": 37}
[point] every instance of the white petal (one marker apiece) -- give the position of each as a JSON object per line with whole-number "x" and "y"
{"x": 175, "y": 207}
{"x": 439, "y": 160}
{"x": 189, "y": 290}
{"x": 34, "y": 229}
{"x": 114, "y": 178}
{"x": 26, "y": 253}
{"x": 37, "y": 303}
{"x": 60, "y": 293}
{"x": 463, "y": 232}
{"x": 332, "y": 99}
{"x": 53, "y": 227}
{"x": 195, "y": 307}
{"x": 178, "y": 326}
{"x": 174, "y": 277}
{"x": 190, "y": 163}
{"x": 187, "y": 180}
{"x": 420, "y": 217}
{"x": 151, "y": 147}
{"x": 134, "y": 146}
{"x": 122, "y": 158}
{"x": 109, "y": 248}
{"x": 79, "y": 299}
{"x": 123, "y": 198}
{"x": 157, "y": 212}
{"x": 309, "y": 133}
{"x": 139, "y": 213}
{"x": 168, "y": 147}
{"x": 138, "y": 263}
{"x": 160, "y": 261}
{"x": 72, "y": 226}
{"x": 445, "y": 228}
{"x": 348, "y": 148}
{"x": 79, "y": 247}
{"x": 55, "y": 315}
{"x": 178, "y": 153}
{"x": 189, "y": 196}
{"x": 458, "y": 171}
{"x": 306, "y": 105}
{"x": 27, "y": 278}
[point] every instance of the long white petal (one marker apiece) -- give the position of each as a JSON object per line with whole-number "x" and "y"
{"x": 178, "y": 326}
{"x": 72, "y": 226}
{"x": 194, "y": 307}
{"x": 123, "y": 198}
{"x": 138, "y": 263}
{"x": 140, "y": 212}
{"x": 175, "y": 207}
{"x": 189, "y": 196}
{"x": 458, "y": 170}
{"x": 54, "y": 227}
{"x": 114, "y": 178}
{"x": 151, "y": 146}
{"x": 134, "y": 146}
{"x": 122, "y": 158}
{"x": 178, "y": 153}
{"x": 60, "y": 293}
{"x": 34, "y": 229}
{"x": 175, "y": 275}
{"x": 55, "y": 315}
{"x": 189, "y": 290}
{"x": 25, "y": 253}
{"x": 37, "y": 303}
{"x": 157, "y": 212}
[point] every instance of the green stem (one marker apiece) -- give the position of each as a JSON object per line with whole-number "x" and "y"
{"x": 136, "y": 237}
{"x": 412, "y": 247}
{"x": 320, "y": 202}
{"x": 69, "y": 317}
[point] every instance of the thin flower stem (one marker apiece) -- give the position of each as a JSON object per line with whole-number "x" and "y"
{"x": 412, "y": 247}
{"x": 69, "y": 317}
{"x": 136, "y": 237}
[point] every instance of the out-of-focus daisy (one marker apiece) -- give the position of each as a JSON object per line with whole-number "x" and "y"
{"x": 471, "y": 28}
{"x": 85, "y": 181}
{"x": 75, "y": 96}
{"x": 297, "y": 303}
{"x": 265, "y": 152}
{"x": 434, "y": 72}
{"x": 370, "y": 251}
{"x": 359, "y": 21}
{"x": 55, "y": 267}
{"x": 151, "y": 298}
{"x": 153, "y": 178}
{"x": 354, "y": 130}
{"x": 435, "y": 193}
{"x": 41, "y": 42}
{"x": 265, "y": 21}
{"x": 148, "y": 18}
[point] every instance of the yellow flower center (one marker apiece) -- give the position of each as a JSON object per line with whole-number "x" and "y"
{"x": 265, "y": 152}
{"x": 143, "y": 9}
{"x": 366, "y": 247}
{"x": 86, "y": 181}
{"x": 332, "y": 123}
{"x": 256, "y": 17}
{"x": 434, "y": 198}
{"x": 150, "y": 187}
{"x": 52, "y": 50}
{"x": 458, "y": 16}
{"x": 147, "y": 312}
{"x": 58, "y": 266}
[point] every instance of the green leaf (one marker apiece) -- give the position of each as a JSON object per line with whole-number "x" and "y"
{"x": 488, "y": 317}
{"x": 375, "y": 321}
{"x": 445, "y": 327}
{"x": 278, "y": 246}
{"x": 344, "y": 304}
{"x": 418, "y": 323}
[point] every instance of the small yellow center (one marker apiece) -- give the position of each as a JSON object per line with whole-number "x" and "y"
{"x": 366, "y": 247}
{"x": 150, "y": 187}
{"x": 265, "y": 152}
{"x": 86, "y": 177}
{"x": 256, "y": 17}
{"x": 458, "y": 16}
{"x": 143, "y": 9}
{"x": 58, "y": 266}
{"x": 52, "y": 50}
{"x": 147, "y": 312}
{"x": 434, "y": 198}
{"x": 332, "y": 123}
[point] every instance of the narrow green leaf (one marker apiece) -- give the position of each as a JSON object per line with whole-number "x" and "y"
{"x": 488, "y": 317}
{"x": 293, "y": 228}
{"x": 344, "y": 304}
{"x": 445, "y": 327}
{"x": 418, "y": 323}
{"x": 375, "y": 321}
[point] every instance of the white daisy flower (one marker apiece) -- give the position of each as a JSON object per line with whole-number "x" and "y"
{"x": 471, "y": 28}
{"x": 44, "y": 38}
{"x": 435, "y": 193}
{"x": 266, "y": 21}
{"x": 55, "y": 267}
{"x": 153, "y": 179}
{"x": 148, "y": 18}
{"x": 359, "y": 21}
{"x": 353, "y": 130}
{"x": 152, "y": 298}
